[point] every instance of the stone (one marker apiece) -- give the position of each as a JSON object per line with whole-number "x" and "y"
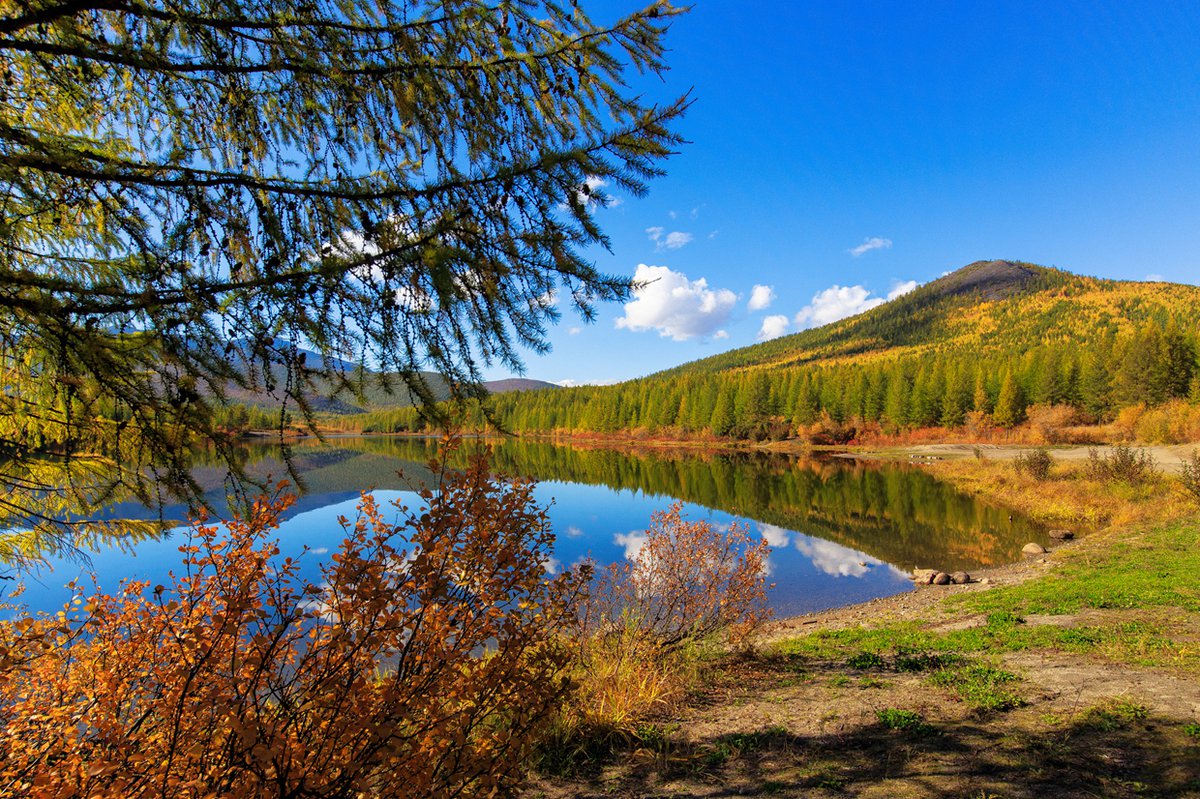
{"x": 923, "y": 576}
{"x": 1033, "y": 549}
{"x": 960, "y": 578}
{"x": 1061, "y": 535}
{"x": 941, "y": 578}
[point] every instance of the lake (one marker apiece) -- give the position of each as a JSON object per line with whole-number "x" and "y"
{"x": 840, "y": 531}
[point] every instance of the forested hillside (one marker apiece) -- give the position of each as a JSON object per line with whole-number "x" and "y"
{"x": 982, "y": 347}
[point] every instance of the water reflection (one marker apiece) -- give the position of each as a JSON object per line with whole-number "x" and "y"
{"x": 840, "y": 531}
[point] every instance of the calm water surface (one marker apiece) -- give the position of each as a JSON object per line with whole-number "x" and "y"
{"x": 840, "y": 531}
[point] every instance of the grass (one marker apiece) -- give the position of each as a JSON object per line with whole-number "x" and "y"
{"x": 903, "y": 721}
{"x": 1069, "y": 496}
{"x": 981, "y": 686}
{"x": 1146, "y": 579}
{"x": 1114, "y": 714}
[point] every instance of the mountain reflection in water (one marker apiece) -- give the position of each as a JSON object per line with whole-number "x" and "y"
{"x": 840, "y": 531}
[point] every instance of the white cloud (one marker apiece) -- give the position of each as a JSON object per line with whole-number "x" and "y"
{"x": 319, "y": 550}
{"x": 552, "y": 565}
{"x": 838, "y": 302}
{"x": 834, "y": 559}
{"x": 668, "y": 302}
{"x": 574, "y": 532}
{"x": 1155, "y": 277}
{"x": 575, "y": 331}
{"x": 872, "y": 243}
{"x": 721, "y": 334}
{"x": 900, "y": 289}
{"x": 761, "y": 297}
{"x": 415, "y": 299}
{"x": 774, "y": 536}
{"x": 834, "y": 303}
{"x": 591, "y": 194}
{"x": 672, "y": 214}
{"x": 571, "y": 382}
{"x": 676, "y": 239}
{"x": 667, "y": 241}
{"x": 632, "y": 543}
{"x": 773, "y": 326}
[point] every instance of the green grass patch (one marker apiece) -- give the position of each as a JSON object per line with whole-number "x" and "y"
{"x": 1152, "y": 574}
{"x": 903, "y": 720}
{"x": 981, "y": 686}
{"x": 1114, "y": 714}
{"x": 1152, "y": 569}
{"x": 1192, "y": 730}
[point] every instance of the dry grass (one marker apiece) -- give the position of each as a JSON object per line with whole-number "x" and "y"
{"x": 1068, "y": 496}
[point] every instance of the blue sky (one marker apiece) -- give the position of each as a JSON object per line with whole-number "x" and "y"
{"x": 841, "y": 152}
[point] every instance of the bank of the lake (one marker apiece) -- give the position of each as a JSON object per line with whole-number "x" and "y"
{"x": 1075, "y": 673}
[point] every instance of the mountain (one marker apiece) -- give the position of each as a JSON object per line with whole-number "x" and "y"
{"x": 380, "y": 390}
{"x": 986, "y": 306}
{"x": 981, "y": 345}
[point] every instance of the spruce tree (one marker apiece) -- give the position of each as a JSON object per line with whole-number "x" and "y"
{"x": 1010, "y": 405}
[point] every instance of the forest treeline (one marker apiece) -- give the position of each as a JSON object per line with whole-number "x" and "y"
{"x": 955, "y": 386}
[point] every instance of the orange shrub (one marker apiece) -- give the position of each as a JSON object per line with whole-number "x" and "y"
{"x": 1175, "y": 422}
{"x": 425, "y": 664}
{"x": 689, "y": 581}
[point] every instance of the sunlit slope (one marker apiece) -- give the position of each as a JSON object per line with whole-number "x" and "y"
{"x": 992, "y": 307}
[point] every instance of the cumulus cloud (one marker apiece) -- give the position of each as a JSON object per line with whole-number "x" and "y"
{"x": 1155, "y": 278}
{"x": 774, "y": 536}
{"x": 872, "y": 243}
{"x": 773, "y": 326}
{"x": 575, "y": 331}
{"x": 632, "y": 543}
{"x": 834, "y": 559}
{"x": 720, "y": 335}
{"x": 900, "y": 289}
{"x": 574, "y": 532}
{"x": 834, "y": 303}
{"x": 675, "y": 306}
{"x": 838, "y": 302}
{"x": 760, "y": 297}
{"x": 667, "y": 241}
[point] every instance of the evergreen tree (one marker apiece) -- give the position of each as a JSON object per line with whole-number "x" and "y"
{"x": 1010, "y": 405}
{"x": 896, "y": 411}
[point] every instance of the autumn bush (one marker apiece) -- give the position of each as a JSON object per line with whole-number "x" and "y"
{"x": 1175, "y": 422}
{"x": 426, "y": 662}
{"x": 645, "y": 622}
{"x": 1189, "y": 475}
{"x": 1123, "y": 464}
{"x": 1035, "y": 463}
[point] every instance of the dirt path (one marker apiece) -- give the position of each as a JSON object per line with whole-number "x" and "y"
{"x": 1170, "y": 458}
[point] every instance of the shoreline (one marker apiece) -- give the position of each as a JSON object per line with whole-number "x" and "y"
{"x": 915, "y": 604}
